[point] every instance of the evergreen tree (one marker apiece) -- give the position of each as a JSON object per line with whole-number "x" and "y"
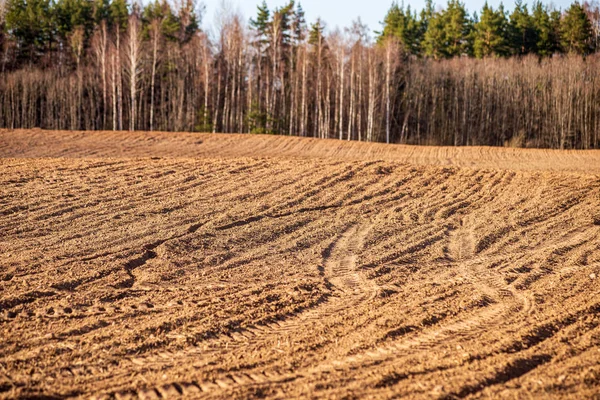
{"x": 434, "y": 41}
{"x": 392, "y": 21}
{"x": 262, "y": 23}
{"x": 426, "y": 14}
{"x": 71, "y": 14}
{"x": 284, "y": 17}
{"x": 299, "y": 25}
{"x": 119, "y": 14}
{"x": 403, "y": 25}
{"x": 490, "y": 33}
{"x": 576, "y": 30}
{"x": 413, "y": 36}
{"x": 316, "y": 39}
{"x": 317, "y": 32}
{"x": 555, "y": 20}
{"x": 31, "y": 24}
{"x": 100, "y": 11}
{"x": 258, "y": 118}
{"x": 160, "y": 10}
{"x": 458, "y": 29}
{"x": 545, "y": 31}
{"x": 449, "y": 32}
{"x": 523, "y": 35}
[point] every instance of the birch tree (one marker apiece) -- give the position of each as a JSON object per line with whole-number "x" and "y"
{"x": 133, "y": 66}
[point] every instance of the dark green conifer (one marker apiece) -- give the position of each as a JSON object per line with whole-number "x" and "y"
{"x": 119, "y": 14}
{"x": 523, "y": 35}
{"x": 160, "y": 10}
{"x": 404, "y": 26}
{"x": 546, "y": 38}
{"x": 449, "y": 32}
{"x": 490, "y": 33}
{"x": 31, "y": 23}
{"x": 576, "y": 30}
{"x": 262, "y": 23}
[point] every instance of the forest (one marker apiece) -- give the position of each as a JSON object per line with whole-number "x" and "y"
{"x": 529, "y": 77}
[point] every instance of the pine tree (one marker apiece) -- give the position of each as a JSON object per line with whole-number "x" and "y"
{"x": 425, "y": 16}
{"x": 392, "y": 21}
{"x": 262, "y": 23}
{"x": 402, "y": 25}
{"x": 449, "y": 32}
{"x": 545, "y": 31}
{"x": 434, "y": 41}
{"x": 413, "y": 37}
{"x": 576, "y": 30}
{"x": 316, "y": 35}
{"x": 31, "y": 24}
{"x": 458, "y": 29}
{"x": 523, "y": 35}
{"x": 100, "y": 11}
{"x": 262, "y": 29}
{"x": 298, "y": 25}
{"x": 72, "y": 14}
{"x": 490, "y": 33}
{"x": 281, "y": 25}
{"x": 119, "y": 14}
{"x": 161, "y": 12}
{"x": 555, "y": 21}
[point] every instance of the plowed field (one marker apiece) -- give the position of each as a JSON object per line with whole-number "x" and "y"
{"x": 151, "y": 265}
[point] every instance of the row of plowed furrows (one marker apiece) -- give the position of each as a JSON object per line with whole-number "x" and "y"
{"x": 351, "y": 287}
{"x": 284, "y": 324}
{"x": 137, "y": 262}
{"x": 466, "y": 326}
{"x": 431, "y": 338}
{"x": 222, "y": 277}
{"x": 481, "y": 276}
{"x": 38, "y": 143}
{"x": 483, "y": 271}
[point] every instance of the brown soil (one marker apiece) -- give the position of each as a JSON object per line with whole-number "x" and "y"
{"x": 157, "y": 265}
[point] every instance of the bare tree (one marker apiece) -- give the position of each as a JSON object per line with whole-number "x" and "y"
{"x": 391, "y": 62}
{"x": 356, "y": 34}
{"x": 100, "y": 50}
{"x": 132, "y": 67}
{"x": 155, "y": 39}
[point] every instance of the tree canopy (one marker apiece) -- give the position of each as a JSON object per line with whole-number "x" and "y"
{"x": 451, "y": 31}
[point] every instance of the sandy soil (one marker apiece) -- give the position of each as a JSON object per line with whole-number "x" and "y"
{"x": 139, "y": 265}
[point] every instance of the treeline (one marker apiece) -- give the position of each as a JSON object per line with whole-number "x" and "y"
{"x": 110, "y": 65}
{"x": 517, "y": 102}
{"x": 452, "y": 32}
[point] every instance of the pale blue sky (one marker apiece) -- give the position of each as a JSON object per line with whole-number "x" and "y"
{"x": 342, "y": 12}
